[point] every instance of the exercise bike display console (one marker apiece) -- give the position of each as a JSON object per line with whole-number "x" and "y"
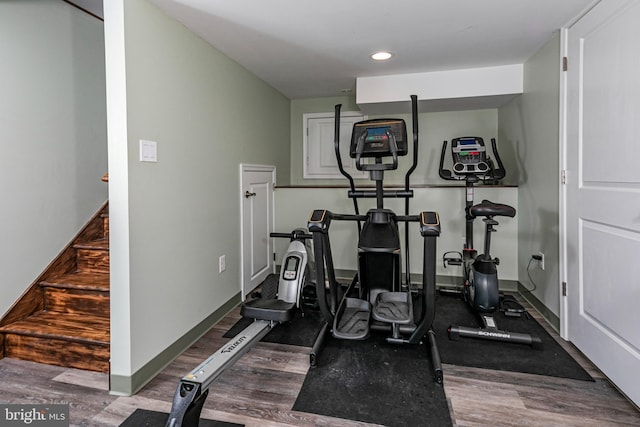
{"x": 480, "y": 288}
{"x": 469, "y": 155}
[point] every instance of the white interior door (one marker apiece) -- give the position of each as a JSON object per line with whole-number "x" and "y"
{"x": 318, "y": 145}
{"x": 603, "y": 190}
{"x": 256, "y": 188}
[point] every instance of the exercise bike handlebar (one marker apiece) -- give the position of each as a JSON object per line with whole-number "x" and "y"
{"x": 500, "y": 172}
{"x": 446, "y": 173}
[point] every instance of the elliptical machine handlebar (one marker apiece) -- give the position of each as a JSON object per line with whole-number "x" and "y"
{"x": 336, "y": 145}
{"x": 393, "y": 149}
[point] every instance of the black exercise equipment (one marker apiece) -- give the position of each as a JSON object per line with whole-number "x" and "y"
{"x": 377, "y": 299}
{"x": 480, "y": 289}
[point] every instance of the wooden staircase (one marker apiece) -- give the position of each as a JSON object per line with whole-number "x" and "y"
{"x": 63, "y": 318}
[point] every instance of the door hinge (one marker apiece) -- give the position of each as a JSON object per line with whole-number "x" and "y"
{"x": 564, "y": 289}
{"x": 274, "y": 256}
{"x": 563, "y": 176}
{"x": 565, "y": 63}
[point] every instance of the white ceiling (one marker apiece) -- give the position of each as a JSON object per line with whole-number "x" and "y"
{"x": 307, "y": 48}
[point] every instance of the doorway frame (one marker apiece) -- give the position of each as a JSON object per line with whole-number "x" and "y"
{"x": 248, "y": 167}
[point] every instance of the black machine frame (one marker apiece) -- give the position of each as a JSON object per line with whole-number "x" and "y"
{"x": 388, "y": 309}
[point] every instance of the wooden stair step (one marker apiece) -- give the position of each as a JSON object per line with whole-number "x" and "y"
{"x": 86, "y": 280}
{"x": 98, "y": 244}
{"x": 64, "y": 319}
{"x": 62, "y": 326}
{"x": 93, "y": 255}
{"x": 82, "y": 293}
{"x": 78, "y": 301}
{"x": 69, "y": 340}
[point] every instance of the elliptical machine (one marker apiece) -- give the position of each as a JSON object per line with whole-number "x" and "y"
{"x": 480, "y": 289}
{"x": 376, "y": 299}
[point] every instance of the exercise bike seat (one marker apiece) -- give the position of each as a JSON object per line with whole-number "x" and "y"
{"x": 490, "y": 209}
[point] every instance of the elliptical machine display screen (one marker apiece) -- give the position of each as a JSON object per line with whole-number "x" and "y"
{"x": 375, "y": 136}
{"x": 469, "y": 156}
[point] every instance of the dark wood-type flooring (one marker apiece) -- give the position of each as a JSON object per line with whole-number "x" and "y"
{"x": 261, "y": 388}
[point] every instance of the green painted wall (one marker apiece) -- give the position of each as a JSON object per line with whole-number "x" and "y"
{"x": 208, "y": 115}
{"x": 530, "y": 124}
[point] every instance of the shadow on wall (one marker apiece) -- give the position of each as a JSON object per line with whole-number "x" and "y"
{"x": 513, "y": 148}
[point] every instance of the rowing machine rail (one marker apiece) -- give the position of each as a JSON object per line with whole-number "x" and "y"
{"x": 194, "y": 387}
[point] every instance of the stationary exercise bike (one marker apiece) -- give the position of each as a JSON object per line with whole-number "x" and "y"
{"x": 377, "y": 299}
{"x": 480, "y": 289}
{"x": 281, "y": 294}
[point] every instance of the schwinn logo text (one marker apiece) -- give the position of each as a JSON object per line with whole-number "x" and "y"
{"x": 234, "y": 345}
{"x": 494, "y": 334}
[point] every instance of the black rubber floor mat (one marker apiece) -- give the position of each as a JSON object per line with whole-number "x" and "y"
{"x": 552, "y": 360}
{"x": 375, "y": 382}
{"x": 144, "y": 418}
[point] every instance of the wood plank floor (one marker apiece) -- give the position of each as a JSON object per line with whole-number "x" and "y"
{"x": 261, "y": 388}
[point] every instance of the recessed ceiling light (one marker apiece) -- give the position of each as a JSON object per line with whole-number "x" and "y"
{"x": 381, "y": 56}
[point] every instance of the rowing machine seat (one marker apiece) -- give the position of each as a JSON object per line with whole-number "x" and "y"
{"x": 268, "y": 309}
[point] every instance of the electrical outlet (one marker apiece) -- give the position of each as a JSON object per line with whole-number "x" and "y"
{"x": 541, "y": 260}
{"x": 222, "y": 263}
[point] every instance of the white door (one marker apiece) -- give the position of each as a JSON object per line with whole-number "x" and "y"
{"x": 256, "y": 193}
{"x": 603, "y": 190}
{"x": 319, "y": 149}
